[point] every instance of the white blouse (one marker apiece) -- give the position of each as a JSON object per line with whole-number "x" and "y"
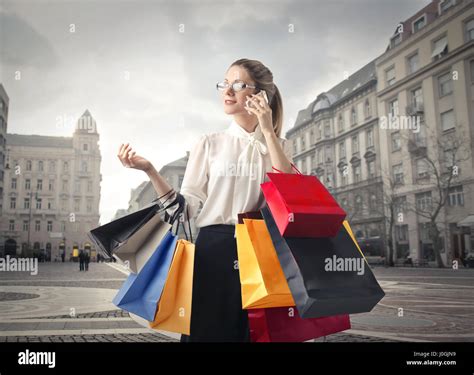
{"x": 224, "y": 173}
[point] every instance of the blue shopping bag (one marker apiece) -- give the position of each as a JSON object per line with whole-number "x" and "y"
{"x": 141, "y": 292}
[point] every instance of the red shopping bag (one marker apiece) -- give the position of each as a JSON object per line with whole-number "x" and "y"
{"x": 302, "y": 206}
{"x": 283, "y": 324}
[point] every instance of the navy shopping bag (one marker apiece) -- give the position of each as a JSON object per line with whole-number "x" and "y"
{"x": 141, "y": 292}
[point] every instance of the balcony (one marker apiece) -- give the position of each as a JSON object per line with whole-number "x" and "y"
{"x": 415, "y": 109}
{"x": 417, "y": 147}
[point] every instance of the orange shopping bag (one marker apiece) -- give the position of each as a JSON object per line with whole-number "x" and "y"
{"x": 174, "y": 308}
{"x": 262, "y": 279}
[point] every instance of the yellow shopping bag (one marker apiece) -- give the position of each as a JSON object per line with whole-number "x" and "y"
{"x": 262, "y": 279}
{"x": 174, "y": 308}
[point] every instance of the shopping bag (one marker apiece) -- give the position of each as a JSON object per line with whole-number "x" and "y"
{"x": 174, "y": 308}
{"x": 134, "y": 237}
{"x": 302, "y": 206}
{"x": 141, "y": 291}
{"x": 262, "y": 280}
{"x": 283, "y": 324}
{"x": 326, "y": 276}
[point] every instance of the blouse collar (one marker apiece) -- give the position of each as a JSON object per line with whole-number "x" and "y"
{"x": 256, "y": 138}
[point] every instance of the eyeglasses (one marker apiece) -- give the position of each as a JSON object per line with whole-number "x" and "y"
{"x": 236, "y": 86}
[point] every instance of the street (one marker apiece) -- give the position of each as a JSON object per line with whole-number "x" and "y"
{"x": 61, "y": 304}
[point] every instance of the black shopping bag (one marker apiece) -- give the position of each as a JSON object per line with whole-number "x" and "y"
{"x": 319, "y": 276}
{"x": 134, "y": 228}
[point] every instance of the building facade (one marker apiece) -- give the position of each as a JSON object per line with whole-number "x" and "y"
{"x": 52, "y": 192}
{"x": 4, "y": 104}
{"x": 371, "y": 138}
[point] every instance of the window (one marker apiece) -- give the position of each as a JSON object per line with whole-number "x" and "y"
{"x": 77, "y": 204}
{"x": 417, "y": 98}
{"x": 423, "y": 201}
{"x": 13, "y": 203}
{"x": 445, "y": 84}
{"x": 330, "y": 180}
{"x": 77, "y": 186}
{"x": 13, "y": 183}
{"x": 393, "y": 108}
{"x": 50, "y": 204}
{"x": 445, "y": 5}
{"x": 413, "y": 63}
{"x": 358, "y": 203}
{"x": 52, "y": 166}
{"x": 26, "y": 203}
{"x": 373, "y": 202}
{"x": 84, "y": 166}
{"x": 396, "y": 141}
{"x": 355, "y": 143}
{"x": 65, "y": 183}
{"x": 27, "y": 184}
{"x": 440, "y": 48}
{"x": 343, "y": 177}
{"x": 49, "y": 226}
{"x": 447, "y": 120}
{"x": 28, "y": 165}
{"x": 319, "y": 153}
{"x": 368, "y": 111}
{"x": 25, "y": 225}
{"x": 396, "y": 40}
{"x": 37, "y": 225}
{"x": 303, "y": 145}
{"x": 11, "y": 225}
{"x": 470, "y": 30}
{"x": 400, "y": 204}
{"x": 371, "y": 168}
{"x": 51, "y": 185}
{"x": 328, "y": 153}
{"x": 419, "y": 24}
{"x": 295, "y": 149}
{"x": 63, "y": 204}
{"x": 85, "y": 147}
{"x": 327, "y": 129}
{"x": 38, "y": 203}
{"x": 89, "y": 205}
{"x": 65, "y": 166}
{"x": 357, "y": 173}
{"x": 422, "y": 170}
{"x": 398, "y": 173}
{"x": 341, "y": 123}
{"x": 390, "y": 76}
{"x": 401, "y": 233}
{"x": 370, "y": 138}
{"x": 353, "y": 116}
{"x": 342, "y": 150}
{"x": 39, "y": 184}
{"x": 456, "y": 196}
{"x": 40, "y": 166}
{"x": 89, "y": 184}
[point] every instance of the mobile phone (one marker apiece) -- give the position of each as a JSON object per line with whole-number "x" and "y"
{"x": 263, "y": 93}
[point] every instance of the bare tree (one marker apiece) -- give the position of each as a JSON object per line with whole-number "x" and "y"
{"x": 439, "y": 171}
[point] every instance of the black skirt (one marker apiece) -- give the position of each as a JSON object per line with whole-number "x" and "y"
{"x": 216, "y": 313}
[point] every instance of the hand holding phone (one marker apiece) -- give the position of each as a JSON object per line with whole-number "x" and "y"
{"x": 249, "y": 103}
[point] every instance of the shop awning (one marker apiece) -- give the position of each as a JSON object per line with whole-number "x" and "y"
{"x": 468, "y": 221}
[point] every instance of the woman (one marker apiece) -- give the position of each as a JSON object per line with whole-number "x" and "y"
{"x": 224, "y": 173}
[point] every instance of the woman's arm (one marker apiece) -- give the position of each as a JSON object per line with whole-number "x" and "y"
{"x": 277, "y": 155}
{"x": 159, "y": 183}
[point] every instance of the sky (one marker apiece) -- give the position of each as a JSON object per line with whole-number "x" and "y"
{"x": 146, "y": 70}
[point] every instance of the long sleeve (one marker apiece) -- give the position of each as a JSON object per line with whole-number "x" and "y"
{"x": 195, "y": 180}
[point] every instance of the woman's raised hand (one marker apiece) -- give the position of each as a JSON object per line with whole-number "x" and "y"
{"x": 130, "y": 159}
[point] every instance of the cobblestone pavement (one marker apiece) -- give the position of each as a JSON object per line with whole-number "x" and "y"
{"x": 421, "y": 304}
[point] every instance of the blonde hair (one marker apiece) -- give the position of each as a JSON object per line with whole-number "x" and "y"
{"x": 263, "y": 78}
